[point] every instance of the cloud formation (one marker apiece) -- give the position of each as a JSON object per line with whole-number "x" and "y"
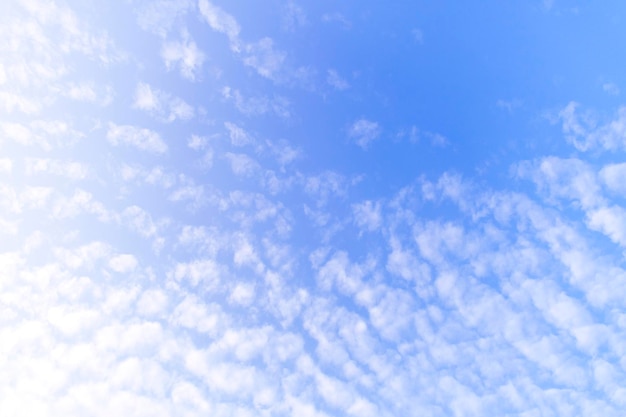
{"x": 363, "y": 132}
{"x": 226, "y": 255}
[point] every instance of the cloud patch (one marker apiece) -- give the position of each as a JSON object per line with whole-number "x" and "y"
{"x": 140, "y": 138}
{"x": 364, "y": 132}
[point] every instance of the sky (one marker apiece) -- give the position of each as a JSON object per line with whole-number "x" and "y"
{"x": 312, "y": 208}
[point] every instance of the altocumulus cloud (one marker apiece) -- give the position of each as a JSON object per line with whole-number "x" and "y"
{"x": 187, "y": 230}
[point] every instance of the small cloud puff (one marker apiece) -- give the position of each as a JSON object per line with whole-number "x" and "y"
{"x": 363, "y": 132}
{"x": 418, "y": 35}
{"x": 611, "y": 89}
{"x": 367, "y": 215}
{"x": 185, "y": 55}
{"x": 161, "y": 104}
{"x": 293, "y": 16}
{"x": 123, "y": 263}
{"x": 334, "y": 80}
{"x": 222, "y": 22}
{"x": 509, "y": 105}
{"x": 266, "y": 60}
{"x": 256, "y": 106}
{"x": 143, "y": 139}
{"x": 337, "y": 17}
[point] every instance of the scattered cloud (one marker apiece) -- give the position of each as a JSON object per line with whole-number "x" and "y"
{"x": 367, "y": 215}
{"x": 261, "y": 55}
{"x": 337, "y": 17}
{"x": 255, "y": 106}
{"x": 509, "y": 105}
{"x": 70, "y": 169}
{"x": 238, "y": 136}
{"x": 185, "y": 55}
{"x": 241, "y": 164}
{"x": 585, "y": 134}
{"x": 363, "y": 132}
{"x": 46, "y": 134}
{"x": 160, "y": 16}
{"x": 271, "y": 285}
{"x": 161, "y": 104}
{"x": 264, "y": 58}
{"x": 334, "y": 80}
{"x": 123, "y": 264}
{"x": 418, "y": 35}
{"x": 293, "y": 16}
{"x": 611, "y": 89}
{"x": 220, "y": 21}
{"x": 140, "y": 138}
{"x": 6, "y": 165}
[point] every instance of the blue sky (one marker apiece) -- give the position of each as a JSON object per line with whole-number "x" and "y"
{"x": 312, "y": 208}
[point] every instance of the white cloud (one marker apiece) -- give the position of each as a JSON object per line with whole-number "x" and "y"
{"x": 80, "y": 202}
{"x": 161, "y": 104}
{"x": 509, "y": 105}
{"x": 284, "y": 152}
{"x": 253, "y": 106}
{"x": 47, "y": 134}
{"x": 584, "y": 133}
{"x": 82, "y": 92}
{"x": 146, "y": 98}
{"x": 293, "y": 16}
{"x": 266, "y": 60}
{"x": 564, "y": 178}
{"x": 6, "y": 165}
{"x": 465, "y": 301}
{"x": 14, "y": 102}
{"x": 221, "y": 21}
{"x": 205, "y": 272}
{"x": 418, "y": 35}
{"x": 140, "y": 221}
{"x": 241, "y": 164}
{"x": 197, "y": 142}
{"x": 159, "y": 16}
{"x": 325, "y": 185}
{"x": 363, "y": 132}
{"x": 337, "y": 17}
{"x": 123, "y": 263}
{"x": 334, "y": 80}
{"x": 611, "y": 89}
{"x": 242, "y": 294}
{"x": 612, "y": 176}
{"x": 186, "y": 55}
{"x": 69, "y": 169}
{"x": 611, "y": 221}
{"x": 140, "y": 138}
{"x": 261, "y": 55}
{"x": 238, "y": 136}
{"x": 367, "y": 215}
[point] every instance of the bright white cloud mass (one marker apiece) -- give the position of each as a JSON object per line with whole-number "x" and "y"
{"x": 213, "y": 208}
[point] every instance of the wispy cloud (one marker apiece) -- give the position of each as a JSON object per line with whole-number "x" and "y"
{"x": 161, "y": 104}
{"x": 363, "y": 132}
{"x": 260, "y": 105}
{"x": 293, "y": 16}
{"x": 336, "y": 17}
{"x": 509, "y": 105}
{"x": 611, "y": 88}
{"x": 185, "y": 55}
{"x": 418, "y": 35}
{"x": 140, "y": 138}
{"x": 585, "y": 134}
{"x": 160, "y": 16}
{"x": 334, "y": 80}
{"x": 221, "y": 21}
